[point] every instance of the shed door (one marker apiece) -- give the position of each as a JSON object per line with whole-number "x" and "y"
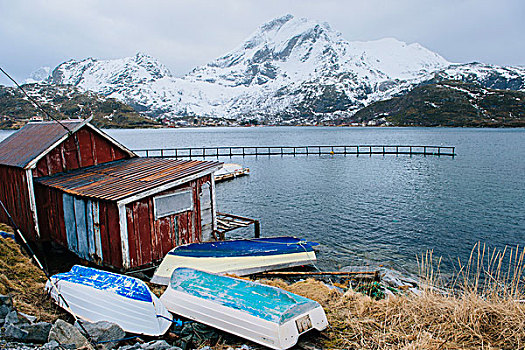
{"x": 206, "y": 212}
{"x": 81, "y": 217}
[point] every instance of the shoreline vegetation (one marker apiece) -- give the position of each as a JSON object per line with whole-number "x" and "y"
{"x": 443, "y": 104}
{"x": 483, "y": 306}
{"x": 18, "y": 124}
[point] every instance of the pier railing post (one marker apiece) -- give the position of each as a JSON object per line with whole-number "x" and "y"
{"x": 257, "y": 229}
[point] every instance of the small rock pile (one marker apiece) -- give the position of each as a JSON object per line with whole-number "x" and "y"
{"x": 21, "y": 331}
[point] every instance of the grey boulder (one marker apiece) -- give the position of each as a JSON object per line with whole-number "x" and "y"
{"x": 11, "y": 318}
{"x": 67, "y": 334}
{"x": 13, "y": 332}
{"x": 103, "y": 331}
{"x": 158, "y": 345}
{"x": 37, "y": 332}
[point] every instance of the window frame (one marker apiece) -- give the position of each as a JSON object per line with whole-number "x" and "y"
{"x": 178, "y": 192}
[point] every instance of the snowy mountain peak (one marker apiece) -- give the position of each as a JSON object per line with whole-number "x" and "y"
{"x": 106, "y": 76}
{"x": 289, "y": 67}
{"x": 152, "y": 65}
{"x": 38, "y": 75}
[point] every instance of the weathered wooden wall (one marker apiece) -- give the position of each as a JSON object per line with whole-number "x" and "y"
{"x": 14, "y": 193}
{"x": 82, "y": 149}
{"x": 149, "y": 239}
{"x": 89, "y": 228}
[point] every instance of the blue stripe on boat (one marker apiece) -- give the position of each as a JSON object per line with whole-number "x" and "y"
{"x": 125, "y": 286}
{"x": 245, "y": 247}
{"x": 262, "y": 301}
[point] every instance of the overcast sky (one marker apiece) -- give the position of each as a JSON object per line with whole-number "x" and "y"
{"x": 186, "y": 34}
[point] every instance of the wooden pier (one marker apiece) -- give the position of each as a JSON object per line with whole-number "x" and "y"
{"x": 244, "y": 151}
{"x": 229, "y": 222}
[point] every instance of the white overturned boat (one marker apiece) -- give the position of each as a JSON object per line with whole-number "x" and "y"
{"x": 266, "y": 315}
{"x": 230, "y": 171}
{"x": 239, "y": 256}
{"x": 95, "y": 295}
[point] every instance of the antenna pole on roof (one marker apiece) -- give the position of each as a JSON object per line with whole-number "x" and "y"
{"x": 34, "y": 102}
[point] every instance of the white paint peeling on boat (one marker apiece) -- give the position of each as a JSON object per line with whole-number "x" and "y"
{"x": 240, "y": 257}
{"x": 95, "y": 295}
{"x": 239, "y": 266}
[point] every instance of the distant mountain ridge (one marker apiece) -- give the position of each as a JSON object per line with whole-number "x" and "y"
{"x": 290, "y": 70}
{"x": 449, "y": 103}
{"x": 63, "y": 102}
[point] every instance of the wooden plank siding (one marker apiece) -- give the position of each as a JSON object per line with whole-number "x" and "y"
{"x": 149, "y": 240}
{"x": 82, "y": 149}
{"x": 88, "y": 227}
{"x": 14, "y": 193}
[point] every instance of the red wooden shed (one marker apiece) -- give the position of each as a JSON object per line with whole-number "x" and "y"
{"x": 77, "y": 186}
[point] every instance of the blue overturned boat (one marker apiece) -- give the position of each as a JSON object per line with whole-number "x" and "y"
{"x": 263, "y": 314}
{"x": 240, "y": 256}
{"x": 94, "y": 295}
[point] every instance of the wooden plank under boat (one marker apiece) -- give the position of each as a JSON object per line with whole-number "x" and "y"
{"x": 263, "y": 314}
{"x": 95, "y": 295}
{"x": 240, "y": 257}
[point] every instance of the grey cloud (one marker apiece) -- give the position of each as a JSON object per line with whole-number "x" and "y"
{"x": 185, "y": 34}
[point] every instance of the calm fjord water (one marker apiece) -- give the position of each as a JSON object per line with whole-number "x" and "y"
{"x": 378, "y": 209}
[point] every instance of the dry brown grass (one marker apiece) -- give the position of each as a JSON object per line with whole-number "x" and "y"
{"x": 20, "y": 278}
{"x": 481, "y": 311}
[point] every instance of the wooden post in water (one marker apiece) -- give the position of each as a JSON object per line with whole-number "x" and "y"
{"x": 257, "y": 228}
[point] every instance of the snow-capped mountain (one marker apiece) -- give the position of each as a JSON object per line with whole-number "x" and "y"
{"x": 488, "y": 76}
{"x": 289, "y": 67}
{"x": 38, "y": 75}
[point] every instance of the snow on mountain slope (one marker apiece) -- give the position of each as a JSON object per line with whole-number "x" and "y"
{"x": 289, "y": 67}
{"x": 489, "y": 76}
{"x": 38, "y": 75}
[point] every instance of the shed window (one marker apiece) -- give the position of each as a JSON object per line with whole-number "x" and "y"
{"x": 173, "y": 203}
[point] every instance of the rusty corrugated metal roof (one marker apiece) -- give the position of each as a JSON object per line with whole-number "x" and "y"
{"x": 124, "y": 178}
{"x": 20, "y": 148}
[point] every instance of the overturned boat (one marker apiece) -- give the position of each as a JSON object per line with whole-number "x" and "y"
{"x": 240, "y": 257}
{"x": 230, "y": 171}
{"x": 94, "y": 295}
{"x": 263, "y": 314}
